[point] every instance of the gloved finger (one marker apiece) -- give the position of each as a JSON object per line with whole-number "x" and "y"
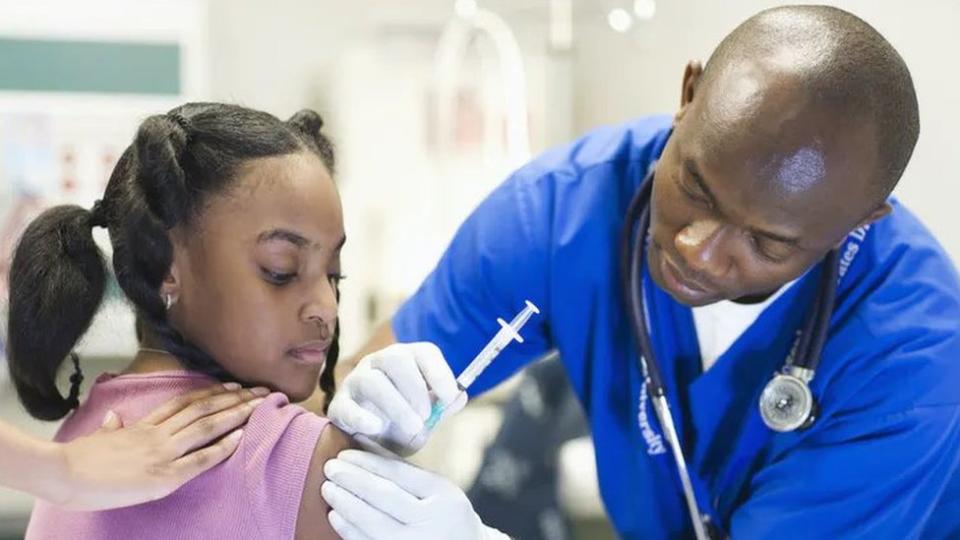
{"x": 359, "y": 513}
{"x": 374, "y": 446}
{"x": 401, "y": 368}
{"x": 413, "y": 480}
{"x": 375, "y": 387}
{"x": 352, "y": 418}
{"x": 436, "y": 371}
{"x": 345, "y": 529}
{"x": 455, "y": 407}
{"x": 377, "y": 491}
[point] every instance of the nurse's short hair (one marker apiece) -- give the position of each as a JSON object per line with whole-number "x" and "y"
{"x": 844, "y": 63}
{"x": 163, "y": 179}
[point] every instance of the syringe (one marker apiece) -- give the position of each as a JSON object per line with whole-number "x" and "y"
{"x": 507, "y": 334}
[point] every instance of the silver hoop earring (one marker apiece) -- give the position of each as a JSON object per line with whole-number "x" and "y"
{"x": 168, "y": 301}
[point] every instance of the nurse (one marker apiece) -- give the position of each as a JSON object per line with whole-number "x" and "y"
{"x": 786, "y": 147}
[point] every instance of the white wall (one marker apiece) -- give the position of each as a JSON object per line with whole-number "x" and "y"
{"x": 286, "y": 54}
{"x": 366, "y": 67}
{"x": 279, "y": 56}
{"x": 623, "y": 75}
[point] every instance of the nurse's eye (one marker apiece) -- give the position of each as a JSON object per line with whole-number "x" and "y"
{"x": 770, "y": 251}
{"x": 336, "y": 278}
{"x": 694, "y": 193}
{"x": 277, "y": 278}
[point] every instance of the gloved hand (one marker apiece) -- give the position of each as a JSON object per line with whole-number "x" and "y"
{"x": 377, "y": 498}
{"x": 386, "y": 399}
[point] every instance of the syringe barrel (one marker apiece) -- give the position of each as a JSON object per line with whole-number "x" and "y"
{"x": 502, "y": 338}
{"x": 484, "y": 358}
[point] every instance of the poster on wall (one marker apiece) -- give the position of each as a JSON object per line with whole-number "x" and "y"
{"x": 47, "y": 160}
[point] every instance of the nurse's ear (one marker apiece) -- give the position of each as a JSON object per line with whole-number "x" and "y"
{"x": 878, "y": 213}
{"x": 691, "y": 78}
{"x": 881, "y": 211}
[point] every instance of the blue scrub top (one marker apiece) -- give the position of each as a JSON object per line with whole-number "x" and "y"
{"x": 881, "y": 460}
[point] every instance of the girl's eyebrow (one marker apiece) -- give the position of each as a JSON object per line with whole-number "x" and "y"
{"x": 295, "y": 238}
{"x": 284, "y": 235}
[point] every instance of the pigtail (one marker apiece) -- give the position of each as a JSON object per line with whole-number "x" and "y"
{"x": 57, "y": 281}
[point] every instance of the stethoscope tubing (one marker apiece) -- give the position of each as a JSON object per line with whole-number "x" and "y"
{"x": 632, "y": 250}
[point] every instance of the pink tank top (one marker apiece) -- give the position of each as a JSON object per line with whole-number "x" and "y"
{"x": 253, "y": 494}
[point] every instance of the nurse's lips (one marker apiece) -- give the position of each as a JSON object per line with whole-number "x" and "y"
{"x": 680, "y": 282}
{"x": 312, "y": 353}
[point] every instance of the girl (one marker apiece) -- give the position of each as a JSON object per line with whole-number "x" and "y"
{"x": 226, "y": 229}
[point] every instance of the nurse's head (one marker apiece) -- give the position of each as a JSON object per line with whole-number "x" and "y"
{"x": 226, "y": 230}
{"x": 793, "y": 135}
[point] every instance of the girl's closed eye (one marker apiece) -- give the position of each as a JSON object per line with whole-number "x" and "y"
{"x": 277, "y": 277}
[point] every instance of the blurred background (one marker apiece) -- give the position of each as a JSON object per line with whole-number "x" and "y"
{"x": 431, "y": 103}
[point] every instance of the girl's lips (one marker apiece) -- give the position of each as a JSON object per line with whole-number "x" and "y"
{"x": 312, "y": 353}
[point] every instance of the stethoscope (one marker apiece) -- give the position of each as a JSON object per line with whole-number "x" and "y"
{"x": 786, "y": 403}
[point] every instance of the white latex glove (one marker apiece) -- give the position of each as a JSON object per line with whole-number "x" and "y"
{"x": 377, "y": 498}
{"x": 386, "y": 399}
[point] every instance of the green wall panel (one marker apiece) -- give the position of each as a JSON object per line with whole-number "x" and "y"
{"x": 89, "y": 66}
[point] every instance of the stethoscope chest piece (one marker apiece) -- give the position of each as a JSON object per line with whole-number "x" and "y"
{"x": 786, "y": 403}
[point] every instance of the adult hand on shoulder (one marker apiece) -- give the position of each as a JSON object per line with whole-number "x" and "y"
{"x": 120, "y": 466}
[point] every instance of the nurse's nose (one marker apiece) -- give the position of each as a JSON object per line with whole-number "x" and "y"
{"x": 703, "y": 246}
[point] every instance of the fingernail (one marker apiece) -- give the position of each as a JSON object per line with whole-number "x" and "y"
{"x": 235, "y": 435}
{"x": 261, "y": 391}
{"x": 255, "y": 402}
{"x": 109, "y": 418}
{"x": 231, "y": 386}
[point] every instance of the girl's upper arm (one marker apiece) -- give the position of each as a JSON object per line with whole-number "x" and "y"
{"x": 312, "y": 520}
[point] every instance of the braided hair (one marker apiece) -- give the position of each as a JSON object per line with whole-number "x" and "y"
{"x": 163, "y": 179}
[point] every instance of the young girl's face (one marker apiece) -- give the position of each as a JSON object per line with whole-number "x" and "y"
{"x": 255, "y": 274}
